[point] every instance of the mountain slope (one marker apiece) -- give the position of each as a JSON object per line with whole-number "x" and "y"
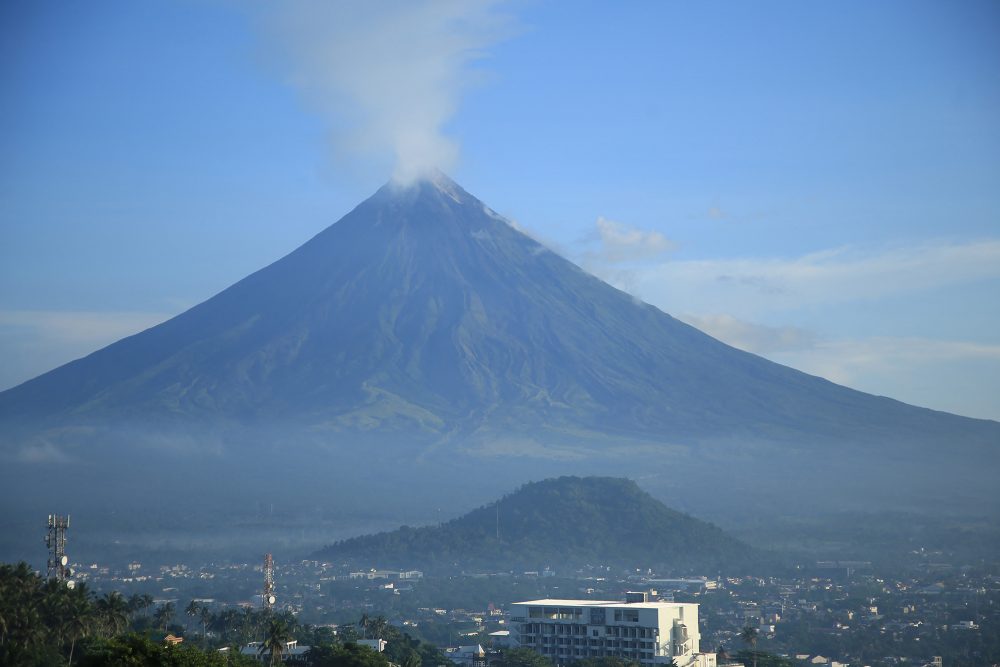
{"x": 423, "y": 343}
{"x": 565, "y": 522}
{"x": 422, "y": 312}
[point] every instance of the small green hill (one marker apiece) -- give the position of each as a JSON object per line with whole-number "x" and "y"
{"x": 560, "y": 523}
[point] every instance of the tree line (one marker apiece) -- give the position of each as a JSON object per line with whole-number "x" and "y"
{"x": 45, "y": 622}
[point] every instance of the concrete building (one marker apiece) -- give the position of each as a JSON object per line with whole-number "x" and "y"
{"x": 651, "y": 633}
{"x": 292, "y": 652}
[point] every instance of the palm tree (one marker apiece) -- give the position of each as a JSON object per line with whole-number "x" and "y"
{"x": 206, "y": 616}
{"x": 749, "y": 637}
{"x": 164, "y": 615}
{"x": 378, "y": 626}
{"x": 275, "y": 639}
{"x": 364, "y": 623}
{"x": 192, "y": 609}
{"x": 113, "y": 612}
{"x": 146, "y": 602}
{"x": 134, "y": 604}
{"x": 249, "y": 624}
{"x": 76, "y": 623}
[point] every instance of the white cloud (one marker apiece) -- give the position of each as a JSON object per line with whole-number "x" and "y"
{"x": 42, "y": 452}
{"x": 957, "y": 376}
{"x": 716, "y": 213}
{"x": 748, "y": 287}
{"x": 624, "y": 243}
{"x": 36, "y": 341}
{"x": 387, "y": 75}
{"x": 77, "y": 326}
{"x": 756, "y": 338}
{"x": 846, "y": 359}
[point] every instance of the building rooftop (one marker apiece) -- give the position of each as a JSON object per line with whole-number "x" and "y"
{"x": 605, "y": 603}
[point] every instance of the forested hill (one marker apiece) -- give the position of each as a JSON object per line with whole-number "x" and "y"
{"x": 569, "y": 522}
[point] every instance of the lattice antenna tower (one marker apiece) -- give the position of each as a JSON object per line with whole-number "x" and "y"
{"x": 267, "y": 598}
{"x": 55, "y": 540}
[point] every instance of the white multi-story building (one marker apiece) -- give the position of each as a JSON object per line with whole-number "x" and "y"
{"x": 650, "y": 633}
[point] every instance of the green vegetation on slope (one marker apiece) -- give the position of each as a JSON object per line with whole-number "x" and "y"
{"x": 564, "y": 522}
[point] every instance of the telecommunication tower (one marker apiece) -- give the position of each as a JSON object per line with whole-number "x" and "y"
{"x": 267, "y": 598}
{"x": 55, "y": 540}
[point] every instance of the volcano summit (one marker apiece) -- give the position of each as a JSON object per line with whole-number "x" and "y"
{"x": 424, "y": 331}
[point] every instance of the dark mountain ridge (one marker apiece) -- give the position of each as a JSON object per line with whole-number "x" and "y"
{"x": 568, "y": 522}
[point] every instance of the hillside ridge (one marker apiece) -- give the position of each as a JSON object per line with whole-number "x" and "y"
{"x": 560, "y": 522}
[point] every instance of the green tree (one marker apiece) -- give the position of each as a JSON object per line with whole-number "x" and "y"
{"x": 206, "y": 617}
{"x": 77, "y": 619}
{"x": 276, "y": 637}
{"x": 344, "y": 655}
{"x": 378, "y": 625}
{"x": 133, "y": 650}
{"x": 749, "y": 637}
{"x": 112, "y": 611}
{"x": 412, "y": 659}
{"x": 521, "y": 657}
{"x": 347, "y": 633}
{"x": 164, "y": 614}
{"x": 611, "y": 662}
{"x": 146, "y": 601}
{"x": 192, "y": 609}
{"x": 763, "y": 659}
{"x": 364, "y": 622}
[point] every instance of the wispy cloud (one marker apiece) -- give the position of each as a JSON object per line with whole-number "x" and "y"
{"x": 847, "y": 359}
{"x": 36, "y": 341}
{"x": 79, "y": 326}
{"x": 780, "y": 308}
{"x": 387, "y": 75}
{"x": 756, "y": 338}
{"x": 747, "y": 287}
{"x": 622, "y": 243}
{"x": 953, "y": 375}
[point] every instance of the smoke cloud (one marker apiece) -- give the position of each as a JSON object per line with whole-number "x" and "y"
{"x": 388, "y": 76}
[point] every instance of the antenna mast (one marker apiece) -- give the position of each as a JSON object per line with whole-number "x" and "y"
{"x": 267, "y": 598}
{"x": 55, "y": 540}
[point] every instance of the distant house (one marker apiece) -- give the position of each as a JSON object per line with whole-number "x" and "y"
{"x": 377, "y": 645}
{"x": 293, "y": 653}
{"x": 500, "y": 638}
{"x": 467, "y": 656}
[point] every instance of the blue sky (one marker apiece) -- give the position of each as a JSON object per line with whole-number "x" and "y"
{"x": 815, "y": 182}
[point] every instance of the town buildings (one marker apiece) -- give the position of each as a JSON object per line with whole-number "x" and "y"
{"x": 650, "y": 633}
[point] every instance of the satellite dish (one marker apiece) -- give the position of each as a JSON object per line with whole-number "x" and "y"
{"x": 71, "y": 584}
{"x": 270, "y": 599}
{"x": 64, "y": 560}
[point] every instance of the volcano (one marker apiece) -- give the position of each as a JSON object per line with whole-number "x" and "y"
{"x": 425, "y": 329}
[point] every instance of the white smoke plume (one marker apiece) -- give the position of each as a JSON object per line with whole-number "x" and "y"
{"x": 388, "y": 75}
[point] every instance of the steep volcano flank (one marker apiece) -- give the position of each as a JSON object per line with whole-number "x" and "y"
{"x": 424, "y": 315}
{"x": 568, "y": 522}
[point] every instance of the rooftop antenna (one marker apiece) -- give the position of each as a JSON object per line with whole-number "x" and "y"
{"x": 498, "y": 520}
{"x": 55, "y": 540}
{"x": 267, "y": 598}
